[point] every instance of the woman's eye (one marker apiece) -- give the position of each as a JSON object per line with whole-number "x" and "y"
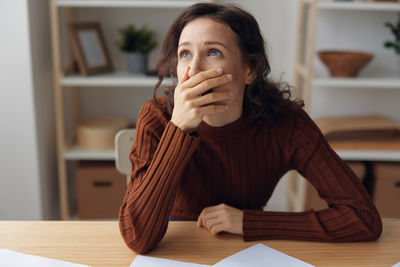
{"x": 215, "y": 53}
{"x": 184, "y": 54}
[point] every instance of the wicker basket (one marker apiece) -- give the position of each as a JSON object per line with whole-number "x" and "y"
{"x": 98, "y": 133}
{"x": 345, "y": 63}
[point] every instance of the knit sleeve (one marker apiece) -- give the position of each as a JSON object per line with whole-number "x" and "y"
{"x": 158, "y": 157}
{"x": 351, "y": 215}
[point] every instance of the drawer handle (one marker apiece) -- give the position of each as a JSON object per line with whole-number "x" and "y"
{"x": 102, "y": 184}
{"x": 397, "y": 184}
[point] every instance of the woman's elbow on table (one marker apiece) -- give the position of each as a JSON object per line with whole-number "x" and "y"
{"x": 375, "y": 229}
{"x": 141, "y": 237}
{"x": 372, "y": 229}
{"x": 138, "y": 242}
{"x": 373, "y": 221}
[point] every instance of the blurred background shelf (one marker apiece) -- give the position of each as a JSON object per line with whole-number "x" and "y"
{"x": 77, "y": 153}
{"x": 118, "y": 79}
{"x": 125, "y": 3}
{"x": 348, "y": 26}
{"x": 118, "y": 93}
{"x": 367, "y": 6}
{"x": 369, "y": 155}
{"x": 362, "y": 82}
{"x": 368, "y": 150}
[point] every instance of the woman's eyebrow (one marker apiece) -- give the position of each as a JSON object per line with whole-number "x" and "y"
{"x": 206, "y": 43}
{"x": 215, "y": 43}
{"x": 184, "y": 44}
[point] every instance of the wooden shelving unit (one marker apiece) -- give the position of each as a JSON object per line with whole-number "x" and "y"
{"x": 125, "y": 3}
{"x": 77, "y": 153}
{"x": 369, "y": 155}
{"x": 370, "y": 82}
{"x": 118, "y": 79}
{"x": 66, "y": 149}
{"x": 307, "y": 83}
{"x": 361, "y": 6}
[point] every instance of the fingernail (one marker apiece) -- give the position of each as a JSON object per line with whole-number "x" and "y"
{"x": 229, "y": 76}
{"x": 219, "y": 71}
{"x": 226, "y": 107}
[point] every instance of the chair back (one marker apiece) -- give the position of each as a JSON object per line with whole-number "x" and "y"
{"x": 123, "y": 144}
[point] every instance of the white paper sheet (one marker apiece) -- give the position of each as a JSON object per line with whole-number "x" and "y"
{"x": 146, "y": 261}
{"x": 260, "y": 256}
{"x": 9, "y": 258}
{"x": 396, "y": 265}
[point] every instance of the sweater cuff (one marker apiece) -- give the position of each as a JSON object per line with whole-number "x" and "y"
{"x": 258, "y": 225}
{"x": 188, "y": 140}
{"x": 176, "y": 145}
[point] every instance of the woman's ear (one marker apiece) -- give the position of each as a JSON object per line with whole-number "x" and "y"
{"x": 250, "y": 75}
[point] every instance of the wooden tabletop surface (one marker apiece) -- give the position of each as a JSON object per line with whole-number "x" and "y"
{"x": 99, "y": 244}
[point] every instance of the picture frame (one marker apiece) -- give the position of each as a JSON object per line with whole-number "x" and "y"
{"x": 89, "y": 48}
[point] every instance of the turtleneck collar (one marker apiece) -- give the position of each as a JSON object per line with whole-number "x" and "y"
{"x": 229, "y": 130}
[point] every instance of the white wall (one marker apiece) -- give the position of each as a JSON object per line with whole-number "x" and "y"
{"x": 27, "y": 168}
{"x": 39, "y": 24}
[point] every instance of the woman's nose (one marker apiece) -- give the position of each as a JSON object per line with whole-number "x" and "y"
{"x": 193, "y": 71}
{"x": 195, "y": 66}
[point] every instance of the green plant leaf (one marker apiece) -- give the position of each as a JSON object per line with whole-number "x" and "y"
{"x": 398, "y": 22}
{"x": 389, "y": 44}
{"x": 388, "y": 25}
{"x": 133, "y": 39}
{"x": 395, "y": 29}
{"x": 397, "y": 49}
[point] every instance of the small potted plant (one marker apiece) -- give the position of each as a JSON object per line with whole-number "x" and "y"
{"x": 137, "y": 44}
{"x": 395, "y": 29}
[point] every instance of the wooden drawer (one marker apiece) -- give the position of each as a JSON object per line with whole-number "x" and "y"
{"x": 100, "y": 189}
{"x": 387, "y": 189}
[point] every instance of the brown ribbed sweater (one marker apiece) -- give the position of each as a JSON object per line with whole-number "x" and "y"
{"x": 175, "y": 174}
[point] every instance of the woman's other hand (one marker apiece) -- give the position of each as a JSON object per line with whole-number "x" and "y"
{"x": 221, "y": 218}
{"x": 191, "y": 103}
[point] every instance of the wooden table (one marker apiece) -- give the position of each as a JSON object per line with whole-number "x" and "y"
{"x": 100, "y": 244}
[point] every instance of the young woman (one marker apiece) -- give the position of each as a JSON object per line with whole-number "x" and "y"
{"x": 214, "y": 148}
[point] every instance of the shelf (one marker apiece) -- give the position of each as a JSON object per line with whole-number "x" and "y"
{"x": 378, "y": 82}
{"x": 373, "y": 150}
{"x": 119, "y": 79}
{"x": 317, "y": 18}
{"x": 371, "y": 155}
{"x": 77, "y": 153}
{"x": 126, "y": 3}
{"x": 366, "y": 6}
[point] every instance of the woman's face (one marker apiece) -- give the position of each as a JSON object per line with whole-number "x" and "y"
{"x": 207, "y": 44}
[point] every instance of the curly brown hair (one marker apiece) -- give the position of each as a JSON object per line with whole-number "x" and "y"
{"x": 264, "y": 101}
